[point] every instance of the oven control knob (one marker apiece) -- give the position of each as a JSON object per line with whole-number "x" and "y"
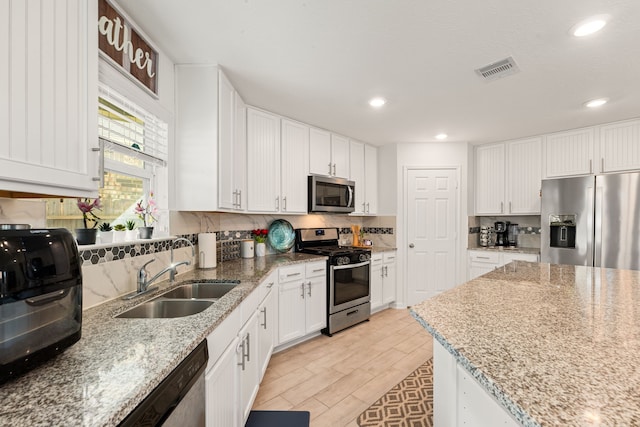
{"x": 343, "y": 260}
{"x": 364, "y": 257}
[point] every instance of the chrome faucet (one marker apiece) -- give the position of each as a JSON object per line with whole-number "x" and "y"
{"x": 143, "y": 280}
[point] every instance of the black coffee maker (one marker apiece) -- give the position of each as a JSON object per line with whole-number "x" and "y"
{"x": 501, "y": 228}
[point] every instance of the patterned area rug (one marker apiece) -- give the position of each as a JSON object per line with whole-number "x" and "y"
{"x": 409, "y": 403}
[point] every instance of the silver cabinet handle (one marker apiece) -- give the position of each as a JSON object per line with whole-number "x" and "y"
{"x": 309, "y": 285}
{"x": 382, "y": 272}
{"x": 293, "y": 274}
{"x": 482, "y": 257}
{"x": 364, "y": 208}
{"x": 100, "y": 150}
{"x": 248, "y": 346}
{"x": 284, "y": 203}
{"x": 235, "y": 198}
{"x": 318, "y": 270}
{"x": 386, "y": 271}
{"x": 277, "y": 203}
{"x": 302, "y": 289}
{"x": 239, "y": 199}
{"x": 509, "y": 206}
{"x": 411, "y": 245}
{"x": 367, "y": 207}
{"x": 270, "y": 285}
{"x": 241, "y": 345}
{"x": 264, "y": 313}
{"x": 501, "y": 207}
{"x": 334, "y": 169}
{"x": 329, "y": 168}
{"x": 602, "y": 164}
{"x": 590, "y": 166}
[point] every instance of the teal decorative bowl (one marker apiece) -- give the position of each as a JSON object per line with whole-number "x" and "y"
{"x": 281, "y": 235}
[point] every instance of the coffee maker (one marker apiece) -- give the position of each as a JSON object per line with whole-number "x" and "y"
{"x": 501, "y": 228}
{"x": 512, "y": 235}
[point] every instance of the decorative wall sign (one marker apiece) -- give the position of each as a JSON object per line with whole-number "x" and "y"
{"x": 122, "y": 43}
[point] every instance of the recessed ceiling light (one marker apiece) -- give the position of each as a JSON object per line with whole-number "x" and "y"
{"x": 441, "y": 136}
{"x": 589, "y": 26}
{"x": 377, "y": 102}
{"x": 594, "y": 103}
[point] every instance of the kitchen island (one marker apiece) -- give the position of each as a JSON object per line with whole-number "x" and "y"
{"x": 551, "y": 344}
{"x": 99, "y": 380}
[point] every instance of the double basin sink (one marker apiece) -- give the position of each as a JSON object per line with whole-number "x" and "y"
{"x": 182, "y": 301}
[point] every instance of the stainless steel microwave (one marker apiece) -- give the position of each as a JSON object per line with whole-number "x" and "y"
{"x": 328, "y": 194}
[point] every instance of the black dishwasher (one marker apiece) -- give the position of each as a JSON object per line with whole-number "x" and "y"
{"x": 179, "y": 399}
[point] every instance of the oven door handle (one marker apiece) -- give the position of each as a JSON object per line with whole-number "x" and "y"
{"x": 344, "y": 267}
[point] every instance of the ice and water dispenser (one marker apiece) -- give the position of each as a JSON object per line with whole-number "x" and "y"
{"x": 562, "y": 231}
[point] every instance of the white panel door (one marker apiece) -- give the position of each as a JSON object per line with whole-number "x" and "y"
{"x": 371, "y": 178}
{"x": 295, "y": 167}
{"x": 431, "y": 232}
{"x": 291, "y": 311}
{"x": 48, "y": 97}
{"x": 340, "y": 156}
{"x": 524, "y": 176}
{"x": 227, "y": 192}
{"x": 320, "y": 152}
{"x": 356, "y": 174}
{"x": 263, "y": 161}
{"x": 620, "y": 146}
{"x": 221, "y": 390}
{"x": 316, "y": 304}
{"x": 490, "y": 175}
{"x": 569, "y": 153}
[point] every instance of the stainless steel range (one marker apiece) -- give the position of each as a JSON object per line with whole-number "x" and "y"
{"x": 348, "y": 285}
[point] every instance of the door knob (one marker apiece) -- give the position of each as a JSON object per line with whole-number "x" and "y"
{"x": 411, "y": 245}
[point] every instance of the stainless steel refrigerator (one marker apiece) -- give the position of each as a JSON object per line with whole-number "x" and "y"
{"x": 592, "y": 220}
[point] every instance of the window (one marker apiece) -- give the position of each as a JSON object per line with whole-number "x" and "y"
{"x": 135, "y": 145}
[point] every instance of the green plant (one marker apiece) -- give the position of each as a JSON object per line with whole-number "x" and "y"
{"x": 260, "y": 235}
{"x": 131, "y": 224}
{"x": 105, "y": 226}
{"x": 119, "y": 227}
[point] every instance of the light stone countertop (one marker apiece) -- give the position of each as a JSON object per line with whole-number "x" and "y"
{"x": 118, "y": 362}
{"x": 557, "y": 345}
{"x": 517, "y": 250}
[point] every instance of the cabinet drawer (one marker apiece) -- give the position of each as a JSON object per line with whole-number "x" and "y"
{"x": 316, "y": 269}
{"x": 389, "y": 257}
{"x": 485, "y": 257}
{"x": 291, "y": 273}
{"x": 376, "y": 259}
{"x": 222, "y": 335}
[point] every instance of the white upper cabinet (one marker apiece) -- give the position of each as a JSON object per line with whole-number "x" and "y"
{"x": 328, "y": 154}
{"x": 263, "y": 161}
{"x": 49, "y": 97}
{"x": 569, "y": 153}
{"x": 295, "y": 167}
{"x": 524, "y": 176}
{"x": 232, "y": 146}
{"x": 490, "y": 175}
{"x": 620, "y": 146}
{"x": 508, "y": 178}
{"x": 363, "y": 170}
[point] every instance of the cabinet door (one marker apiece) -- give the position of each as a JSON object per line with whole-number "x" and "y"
{"x": 477, "y": 270}
{"x": 316, "y": 304}
{"x": 227, "y": 192}
{"x": 389, "y": 283}
{"x": 263, "y": 161}
{"x": 240, "y": 153}
{"x": 569, "y": 153}
{"x": 620, "y": 146}
{"x": 49, "y": 97}
{"x": 356, "y": 174}
{"x": 371, "y": 178}
{"x": 291, "y": 311}
{"x": 248, "y": 368}
{"x": 221, "y": 390}
{"x": 340, "y": 156}
{"x": 490, "y": 179}
{"x": 376, "y": 282}
{"x": 266, "y": 329}
{"x": 524, "y": 176}
{"x": 320, "y": 152}
{"x": 507, "y": 258}
{"x": 295, "y": 167}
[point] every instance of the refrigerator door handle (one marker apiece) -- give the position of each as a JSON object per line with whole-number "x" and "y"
{"x": 597, "y": 226}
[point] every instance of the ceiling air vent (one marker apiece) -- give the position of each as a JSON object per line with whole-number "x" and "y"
{"x": 499, "y": 69}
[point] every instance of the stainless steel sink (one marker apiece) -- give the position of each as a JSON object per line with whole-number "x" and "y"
{"x": 163, "y": 308}
{"x": 204, "y": 290}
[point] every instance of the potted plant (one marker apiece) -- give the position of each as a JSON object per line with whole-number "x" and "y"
{"x": 131, "y": 233}
{"x": 118, "y": 233}
{"x": 87, "y": 235}
{"x": 260, "y": 236}
{"x": 106, "y": 232}
{"x": 146, "y": 213}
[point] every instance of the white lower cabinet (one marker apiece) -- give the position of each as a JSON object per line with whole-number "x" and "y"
{"x": 375, "y": 280}
{"x": 483, "y": 261}
{"x": 267, "y": 324}
{"x": 383, "y": 279}
{"x": 221, "y": 389}
{"x": 247, "y": 365}
{"x": 302, "y": 300}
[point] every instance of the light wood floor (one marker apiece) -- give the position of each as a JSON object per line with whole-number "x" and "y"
{"x": 337, "y": 378}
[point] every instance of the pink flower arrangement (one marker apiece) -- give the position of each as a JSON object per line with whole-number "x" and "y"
{"x": 260, "y": 235}
{"x": 87, "y": 206}
{"x": 146, "y": 212}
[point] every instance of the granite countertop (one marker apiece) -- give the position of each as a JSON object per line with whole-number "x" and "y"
{"x": 117, "y": 362}
{"x": 555, "y": 344}
{"x": 517, "y": 250}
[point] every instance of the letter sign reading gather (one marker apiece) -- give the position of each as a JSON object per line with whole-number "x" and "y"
{"x": 126, "y": 48}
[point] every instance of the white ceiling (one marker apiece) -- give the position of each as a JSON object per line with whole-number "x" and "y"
{"x": 319, "y": 61}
